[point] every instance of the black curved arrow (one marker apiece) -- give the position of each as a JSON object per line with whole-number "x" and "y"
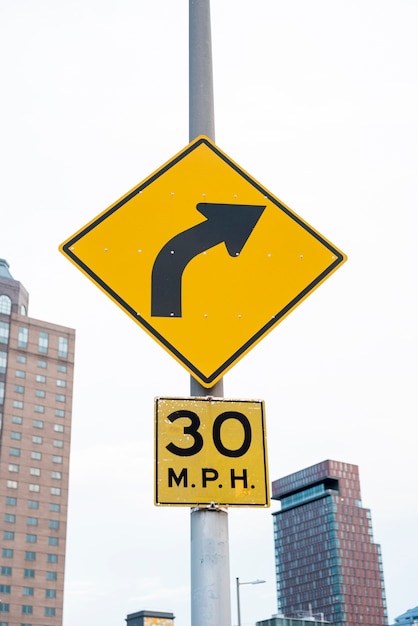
{"x": 231, "y": 224}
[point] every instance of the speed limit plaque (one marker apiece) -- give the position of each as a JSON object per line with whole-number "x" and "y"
{"x": 210, "y": 450}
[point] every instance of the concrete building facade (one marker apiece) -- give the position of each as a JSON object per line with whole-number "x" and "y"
{"x": 325, "y": 554}
{"x": 36, "y": 380}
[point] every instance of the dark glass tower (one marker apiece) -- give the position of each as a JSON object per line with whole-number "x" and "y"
{"x": 36, "y": 379}
{"x": 326, "y": 559}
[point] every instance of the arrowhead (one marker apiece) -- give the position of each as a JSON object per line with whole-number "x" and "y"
{"x": 233, "y": 223}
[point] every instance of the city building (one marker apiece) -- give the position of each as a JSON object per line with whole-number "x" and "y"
{"x": 150, "y": 618}
{"x": 325, "y": 554}
{"x": 281, "y": 620}
{"x": 36, "y": 378}
{"x": 407, "y": 619}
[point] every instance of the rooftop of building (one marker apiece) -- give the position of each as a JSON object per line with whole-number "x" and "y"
{"x": 408, "y": 618}
{"x": 4, "y": 270}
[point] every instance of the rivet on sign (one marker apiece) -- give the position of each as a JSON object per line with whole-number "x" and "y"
{"x": 139, "y": 250}
{"x": 72, "y": 248}
{"x": 301, "y": 256}
{"x": 106, "y": 249}
{"x": 203, "y": 194}
{"x": 239, "y": 315}
{"x": 205, "y": 315}
{"x": 269, "y": 254}
{"x": 171, "y": 251}
{"x": 172, "y": 193}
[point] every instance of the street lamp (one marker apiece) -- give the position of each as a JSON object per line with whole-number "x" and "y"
{"x": 250, "y": 582}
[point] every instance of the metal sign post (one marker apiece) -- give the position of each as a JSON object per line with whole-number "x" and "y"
{"x": 209, "y": 550}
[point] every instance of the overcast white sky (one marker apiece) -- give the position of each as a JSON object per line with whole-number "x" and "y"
{"x": 318, "y": 101}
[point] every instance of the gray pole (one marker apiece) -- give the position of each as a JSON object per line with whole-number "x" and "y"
{"x": 210, "y": 584}
{"x": 238, "y": 604}
{"x": 201, "y": 107}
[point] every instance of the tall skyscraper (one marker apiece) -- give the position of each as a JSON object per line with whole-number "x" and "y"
{"x": 36, "y": 378}
{"x": 326, "y": 559}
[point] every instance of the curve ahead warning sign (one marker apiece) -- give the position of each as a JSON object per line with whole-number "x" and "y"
{"x": 201, "y": 220}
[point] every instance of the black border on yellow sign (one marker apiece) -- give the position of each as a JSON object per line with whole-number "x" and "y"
{"x": 215, "y": 375}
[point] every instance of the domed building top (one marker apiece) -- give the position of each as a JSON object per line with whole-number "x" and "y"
{"x": 4, "y": 270}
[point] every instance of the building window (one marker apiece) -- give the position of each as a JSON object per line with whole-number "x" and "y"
{"x": 58, "y": 443}
{"x": 53, "y": 523}
{"x": 21, "y": 358}
{"x": 7, "y": 553}
{"x": 35, "y": 471}
{"x": 55, "y": 491}
{"x": 4, "y": 607}
{"x": 30, "y": 556}
{"x": 38, "y": 408}
{"x": 11, "y": 484}
{"x": 43, "y": 340}
{"x": 40, "y": 393}
{"x": 19, "y": 389}
{"x": 50, "y": 593}
{"x": 32, "y": 521}
{"x": 14, "y": 451}
{"x": 56, "y": 458}
{"x": 59, "y": 428}
{"x": 42, "y": 364}
{"x": 10, "y": 518}
{"x": 8, "y": 535}
{"x": 22, "y": 337}
{"x": 52, "y": 541}
{"x": 5, "y": 570}
{"x": 40, "y": 378}
{"x": 49, "y": 611}
{"x": 28, "y": 573}
{"x": 34, "y": 488}
{"x": 33, "y": 504}
{"x": 31, "y": 538}
{"x": 3, "y": 362}
{"x": 54, "y": 508}
{"x": 17, "y": 419}
{"x": 5, "y": 305}
{"x": 51, "y": 576}
{"x": 2, "y": 391}
{"x": 11, "y": 501}
{"x": 20, "y": 374}
{"x": 56, "y": 475}
{"x": 36, "y": 439}
{"x": 27, "y": 609}
{"x": 27, "y": 591}
{"x": 36, "y": 456}
{"x": 6, "y": 589}
{"x": 59, "y": 413}
{"x": 62, "y": 369}
{"x": 52, "y": 558}
{"x": 17, "y": 404}
{"x": 13, "y": 467}
{"x": 63, "y": 347}
{"x": 4, "y": 332}
{"x": 15, "y": 435}
{"x": 59, "y": 397}
{"x": 38, "y": 424}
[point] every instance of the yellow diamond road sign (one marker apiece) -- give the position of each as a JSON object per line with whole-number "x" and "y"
{"x": 210, "y": 450}
{"x": 204, "y": 258}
